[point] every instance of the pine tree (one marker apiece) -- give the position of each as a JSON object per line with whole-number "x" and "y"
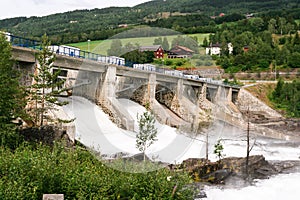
{"x": 296, "y": 40}
{"x": 147, "y": 132}
{"x": 116, "y": 48}
{"x": 278, "y": 90}
{"x": 158, "y": 41}
{"x": 205, "y": 42}
{"x": 46, "y": 87}
{"x": 165, "y": 44}
{"x": 12, "y": 99}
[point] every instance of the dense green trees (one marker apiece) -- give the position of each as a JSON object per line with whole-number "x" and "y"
{"x": 191, "y": 16}
{"x": 12, "y": 101}
{"x": 286, "y": 96}
{"x": 256, "y": 49}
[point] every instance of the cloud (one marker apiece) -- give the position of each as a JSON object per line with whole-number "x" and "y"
{"x": 80, "y": 3}
{"x": 39, "y": 2}
{"x": 17, "y": 8}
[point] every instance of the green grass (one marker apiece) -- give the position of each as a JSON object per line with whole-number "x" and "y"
{"x": 101, "y": 46}
{"x": 200, "y": 36}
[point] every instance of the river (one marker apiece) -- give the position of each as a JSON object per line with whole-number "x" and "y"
{"x": 95, "y": 130}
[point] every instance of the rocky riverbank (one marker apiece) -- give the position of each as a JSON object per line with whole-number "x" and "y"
{"x": 230, "y": 172}
{"x": 217, "y": 172}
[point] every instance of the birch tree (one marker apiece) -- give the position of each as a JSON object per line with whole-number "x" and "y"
{"x": 147, "y": 132}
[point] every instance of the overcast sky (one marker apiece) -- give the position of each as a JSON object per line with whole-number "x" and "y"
{"x": 18, "y": 8}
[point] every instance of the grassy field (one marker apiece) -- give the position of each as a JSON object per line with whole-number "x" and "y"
{"x": 101, "y": 46}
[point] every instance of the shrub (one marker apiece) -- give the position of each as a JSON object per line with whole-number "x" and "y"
{"x": 28, "y": 173}
{"x": 169, "y": 62}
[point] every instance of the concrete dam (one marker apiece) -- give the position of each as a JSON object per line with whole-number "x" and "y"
{"x": 105, "y": 100}
{"x": 176, "y": 101}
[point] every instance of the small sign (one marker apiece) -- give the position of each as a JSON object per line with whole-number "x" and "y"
{"x": 53, "y": 197}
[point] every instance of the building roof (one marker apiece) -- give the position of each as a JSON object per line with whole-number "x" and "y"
{"x": 150, "y": 48}
{"x": 179, "y": 48}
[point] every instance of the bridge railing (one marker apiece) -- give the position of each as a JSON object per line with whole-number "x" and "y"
{"x": 62, "y": 50}
{"x": 23, "y": 42}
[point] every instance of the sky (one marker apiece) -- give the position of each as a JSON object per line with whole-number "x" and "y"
{"x": 18, "y": 8}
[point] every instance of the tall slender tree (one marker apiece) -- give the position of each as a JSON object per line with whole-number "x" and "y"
{"x": 47, "y": 86}
{"x": 165, "y": 44}
{"x": 116, "y": 48}
{"x": 12, "y": 96}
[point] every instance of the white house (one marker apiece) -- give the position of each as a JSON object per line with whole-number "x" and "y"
{"x": 215, "y": 49}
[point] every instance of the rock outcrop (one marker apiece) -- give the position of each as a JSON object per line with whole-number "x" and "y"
{"x": 203, "y": 170}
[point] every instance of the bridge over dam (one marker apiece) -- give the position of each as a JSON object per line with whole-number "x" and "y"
{"x": 176, "y": 101}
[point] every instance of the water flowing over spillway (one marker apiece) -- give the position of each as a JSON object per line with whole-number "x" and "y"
{"x": 95, "y": 130}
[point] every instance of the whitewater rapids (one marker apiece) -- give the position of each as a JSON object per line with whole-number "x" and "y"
{"x": 95, "y": 130}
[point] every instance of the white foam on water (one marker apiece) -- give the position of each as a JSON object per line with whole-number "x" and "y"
{"x": 281, "y": 187}
{"x": 95, "y": 130}
{"x": 262, "y": 147}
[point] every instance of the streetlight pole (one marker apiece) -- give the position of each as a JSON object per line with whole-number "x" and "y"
{"x": 89, "y": 45}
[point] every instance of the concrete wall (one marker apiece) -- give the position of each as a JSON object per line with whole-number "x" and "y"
{"x": 247, "y": 101}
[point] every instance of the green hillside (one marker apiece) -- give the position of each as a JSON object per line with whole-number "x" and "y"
{"x": 101, "y": 46}
{"x": 187, "y": 16}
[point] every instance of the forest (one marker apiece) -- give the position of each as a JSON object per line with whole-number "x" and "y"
{"x": 286, "y": 97}
{"x": 98, "y": 24}
{"x": 258, "y": 44}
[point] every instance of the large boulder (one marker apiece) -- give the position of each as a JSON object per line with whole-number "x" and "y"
{"x": 258, "y": 167}
{"x": 46, "y": 135}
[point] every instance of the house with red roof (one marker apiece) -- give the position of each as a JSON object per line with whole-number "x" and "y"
{"x": 180, "y": 52}
{"x": 157, "y": 50}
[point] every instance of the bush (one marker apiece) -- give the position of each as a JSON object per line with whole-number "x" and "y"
{"x": 208, "y": 63}
{"x": 28, "y": 173}
{"x": 169, "y": 62}
{"x": 179, "y": 63}
{"x": 199, "y": 63}
{"x": 264, "y": 64}
{"x": 9, "y": 137}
